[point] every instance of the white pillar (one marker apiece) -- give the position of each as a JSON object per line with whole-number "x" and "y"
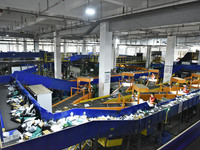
{"x": 57, "y": 56}
{"x": 94, "y": 50}
{"x": 113, "y": 58}
{"x": 84, "y": 48}
{"x": 25, "y": 45}
{"x": 67, "y": 47}
{"x": 126, "y": 49}
{"x": 52, "y": 46}
{"x": 17, "y": 45}
{"x": 199, "y": 59}
{"x": 36, "y": 45}
{"x": 8, "y": 47}
{"x": 42, "y": 46}
{"x": 169, "y": 59}
{"x": 148, "y": 57}
{"x": 64, "y": 46}
{"x": 115, "y": 52}
{"x": 105, "y": 61}
{"x": 78, "y": 50}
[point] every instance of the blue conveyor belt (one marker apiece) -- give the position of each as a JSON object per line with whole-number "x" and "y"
{"x": 96, "y": 129}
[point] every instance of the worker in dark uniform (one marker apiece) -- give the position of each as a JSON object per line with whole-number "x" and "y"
{"x": 71, "y": 76}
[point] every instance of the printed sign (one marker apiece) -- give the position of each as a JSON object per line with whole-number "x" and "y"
{"x": 107, "y": 77}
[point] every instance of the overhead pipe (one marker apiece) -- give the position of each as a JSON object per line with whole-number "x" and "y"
{"x": 42, "y": 15}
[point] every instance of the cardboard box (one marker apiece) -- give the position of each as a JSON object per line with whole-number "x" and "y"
{"x": 45, "y": 132}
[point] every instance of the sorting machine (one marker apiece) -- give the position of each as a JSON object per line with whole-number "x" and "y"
{"x": 82, "y": 92}
{"x": 153, "y": 81}
{"x": 121, "y": 97}
{"x": 109, "y": 102}
{"x": 139, "y": 88}
{"x": 174, "y": 86}
{"x": 111, "y": 127}
{"x": 194, "y": 80}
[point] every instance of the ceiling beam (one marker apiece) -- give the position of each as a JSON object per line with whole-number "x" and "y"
{"x": 93, "y": 26}
{"x": 115, "y": 2}
{"x": 180, "y": 14}
{"x": 13, "y": 34}
{"x": 39, "y": 18}
{"x": 28, "y": 24}
{"x": 70, "y": 5}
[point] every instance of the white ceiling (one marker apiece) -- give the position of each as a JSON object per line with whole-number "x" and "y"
{"x": 42, "y": 17}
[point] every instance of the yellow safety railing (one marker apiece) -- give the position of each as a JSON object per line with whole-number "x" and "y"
{"x": 120, "y": 59}
{"x": 157, "y": 59}
{"x": 123, "y": 99}
{"x": 129, "y": 60}
{"x": 48, "y": 58}
{"x": 94, "y": 58}
{"x": 84, "y": 145}
{"x": 65, "y": 57}
{"x": 71, "y": 147}
{"x": 76, "y": 146}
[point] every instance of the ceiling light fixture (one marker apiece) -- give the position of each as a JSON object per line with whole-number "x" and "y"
{"x": 90, "y": 11}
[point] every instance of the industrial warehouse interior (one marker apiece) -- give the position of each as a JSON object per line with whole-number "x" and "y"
{"x": 99, "y": 74}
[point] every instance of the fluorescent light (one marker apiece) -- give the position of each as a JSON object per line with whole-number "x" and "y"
{"x": 90, "y": 11}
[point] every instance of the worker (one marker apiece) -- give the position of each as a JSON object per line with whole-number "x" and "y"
{"x": 185, "y": 89}
{"x": 152, "y": 100}
{"x": 132, "y": 97}
{"x": 71, "y": 76}
{"x": 85, "y": 87}
{"x": 153, "y": 76}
